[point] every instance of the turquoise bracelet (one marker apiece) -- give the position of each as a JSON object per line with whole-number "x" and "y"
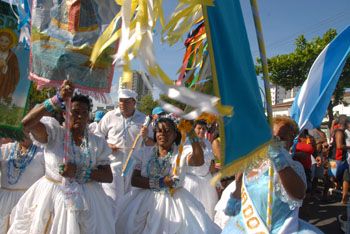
{"x": 48, "y": 106}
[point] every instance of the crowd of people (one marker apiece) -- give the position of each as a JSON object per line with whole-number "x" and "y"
{"x": 120, "y": 174}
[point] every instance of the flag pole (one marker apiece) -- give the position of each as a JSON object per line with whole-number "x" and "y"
{"x": 262, "y": 51}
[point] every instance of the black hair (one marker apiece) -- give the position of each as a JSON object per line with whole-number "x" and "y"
{"x": 201, "y": 122}
{"x": 304, "y": 133}
{"x": 343, "y": 120}
{"x": 83, "y": 99}
{"x": 173, "y": 126}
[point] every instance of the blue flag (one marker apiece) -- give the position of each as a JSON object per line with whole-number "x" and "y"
{"x": 246, "y": 134}
{"x": 310, "y": 105}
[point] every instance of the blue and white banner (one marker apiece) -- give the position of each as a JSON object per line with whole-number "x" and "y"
{"x": 310, "y": 105}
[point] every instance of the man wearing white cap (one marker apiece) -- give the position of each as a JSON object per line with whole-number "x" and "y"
{"x": 120, "y": 127}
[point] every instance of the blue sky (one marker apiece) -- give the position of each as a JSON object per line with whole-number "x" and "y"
{"x": 282, "y": 21}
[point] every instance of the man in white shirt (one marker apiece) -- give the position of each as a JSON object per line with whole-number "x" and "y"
{"x": 120, "y": 128}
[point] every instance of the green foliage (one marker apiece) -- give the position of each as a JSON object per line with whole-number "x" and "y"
{"x": 173, "y": 102}
{"x": 11, "y": 115}
{"x": 291, "y": 70}
{"x": 38, "y": 96}
{"x": 147, "y": 104}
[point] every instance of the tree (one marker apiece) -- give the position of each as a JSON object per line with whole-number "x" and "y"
{"x": 291, "y": 70}
{"x": 173, "y": 102}
{"x": 38, "y": 96}
{"x": 147, "y": 104}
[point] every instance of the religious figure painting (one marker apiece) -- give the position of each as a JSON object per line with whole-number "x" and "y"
{"x": 14, "y": 82}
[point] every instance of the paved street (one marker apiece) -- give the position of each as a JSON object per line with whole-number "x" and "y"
{"x": 323, "y": 215}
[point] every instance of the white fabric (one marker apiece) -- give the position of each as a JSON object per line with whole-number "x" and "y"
{"x": 120, "y": 132}
{"x": 149, "y": 212}
{"x": 10, "y": 194}
{"x": 220, "y": 217}
{"x": 197, "y": 181}
{"x": 93, "y": 126}
{"x": 127, "y": 93}
{"x": 41, "y": 209}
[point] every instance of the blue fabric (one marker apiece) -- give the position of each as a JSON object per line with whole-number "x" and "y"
{"x": 248, "y": 128}
{"x": 157, "y": 110}
{"x": 99, "y": 115}
{"x": 257, "y": 190}
{"x": 310, "y": 105}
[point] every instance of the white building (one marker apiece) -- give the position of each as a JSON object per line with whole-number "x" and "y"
{"x": 137, "y": 85}
{"x": 279, "y": 94}
{"x": 283, "y": 108}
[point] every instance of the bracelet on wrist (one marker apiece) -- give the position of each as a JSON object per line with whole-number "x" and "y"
{"x": 61, "y": 169}
{"x": 60, "y": 100}
{"x": 49, "y": 106}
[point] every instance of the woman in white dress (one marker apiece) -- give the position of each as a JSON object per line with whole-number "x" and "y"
{"x": 161, "y": 205}
{"x": 197, "y": 180}
{"x": 82, "y": 207}
{"x": 22, "y": 164}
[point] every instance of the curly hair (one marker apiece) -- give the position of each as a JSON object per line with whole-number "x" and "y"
{"x": 173, "y": 126}
{"x": 82, "y": 99}
{"x": 288, "y": 122}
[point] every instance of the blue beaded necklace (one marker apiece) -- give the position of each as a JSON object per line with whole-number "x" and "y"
{"x": 84, "y": 155}
{"x": 18, "y": 162}
{"x": 159, "y": 166}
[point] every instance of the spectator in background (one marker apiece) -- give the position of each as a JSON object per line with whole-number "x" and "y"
{"x": 319, "y": 168}
{"x": 338, "y": 151}
{"x": 346, "y": 176}
{"x": 158, "y": 112}
{"x": 304, "y": 150}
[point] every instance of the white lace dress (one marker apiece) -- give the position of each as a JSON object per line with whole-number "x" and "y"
{"x": 150, "y": 212}
{"x": 197, "y": 182}
{"x": 42, "y": 208}
{"x": 10, "y": 190}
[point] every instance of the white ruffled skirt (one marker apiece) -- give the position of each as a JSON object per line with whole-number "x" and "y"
{"x": 41, "y": 210}
{"x": 149, "y": 212}
{"x": 8, "y": 200}
{"x": 200, "y": 188}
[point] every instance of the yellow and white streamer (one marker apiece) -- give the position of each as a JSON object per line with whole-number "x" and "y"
{"x": 138, "y": 19}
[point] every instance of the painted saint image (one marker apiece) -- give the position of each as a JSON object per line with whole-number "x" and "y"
{"x": 9, "y": 68}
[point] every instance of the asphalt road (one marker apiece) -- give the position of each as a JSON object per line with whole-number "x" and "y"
{"x": 323, "y": 215}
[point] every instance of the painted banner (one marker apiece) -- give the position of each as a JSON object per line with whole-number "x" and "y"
{"x": 62, "y": 37}
{"x": 14, "y": 83}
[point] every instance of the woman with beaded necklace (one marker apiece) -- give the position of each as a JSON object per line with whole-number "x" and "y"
{"x": 22, "y": 164}
{"x": 161, "y": 205}
{"x": 80, "y": 206}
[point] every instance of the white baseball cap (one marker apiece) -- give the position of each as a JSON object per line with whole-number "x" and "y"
{"x": 127, "y": 93}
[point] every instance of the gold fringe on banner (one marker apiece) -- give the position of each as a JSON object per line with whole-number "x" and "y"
{"x": 240, "y": 165}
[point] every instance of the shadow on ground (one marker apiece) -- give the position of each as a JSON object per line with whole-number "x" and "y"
{"x": 323, "y": 214}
